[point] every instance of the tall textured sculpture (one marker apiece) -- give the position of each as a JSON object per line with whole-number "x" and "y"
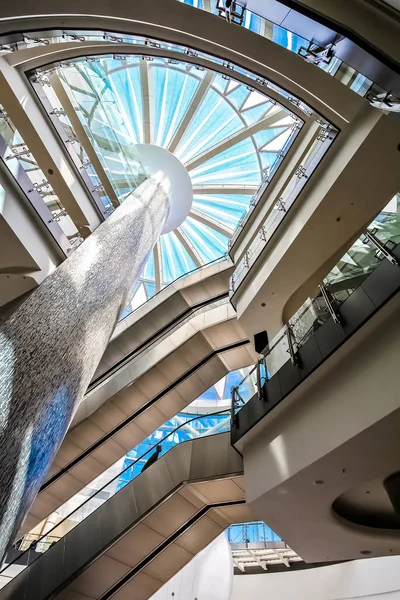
{"x": 51, "y": 346}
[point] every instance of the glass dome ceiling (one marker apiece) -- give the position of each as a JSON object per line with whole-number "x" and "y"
{"x": 226, "y": 134}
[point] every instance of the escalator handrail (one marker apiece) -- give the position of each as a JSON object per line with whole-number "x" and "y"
{"x": 48, "y": 534}
{"x": 155, "y": 339}
{"x": 211, "y": 262}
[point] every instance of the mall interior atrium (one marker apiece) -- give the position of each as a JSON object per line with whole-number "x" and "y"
{"x": 200, "y": 238}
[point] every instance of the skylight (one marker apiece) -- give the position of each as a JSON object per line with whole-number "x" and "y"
{"x": 227, "y": 136}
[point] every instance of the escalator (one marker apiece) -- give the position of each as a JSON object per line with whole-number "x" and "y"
{"x": 202, "y": 343}
{"x": 161, "y": 315}
{"x": 148, "y": 530}
{"x": 130, "y": 416}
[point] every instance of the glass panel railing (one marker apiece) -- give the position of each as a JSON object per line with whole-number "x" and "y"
{"x": 313, "y": 313}
{"x": 29, "y": 548}
{"x": 244, "y": 389}
{"x": 136, "y": 40}
{"x": 362, "y": 258}
{"x": 345, "y": 73}
{"x": 256, "y": 532}
{"x": 129, "y": 309}
{"x": 18, "y": 155}
{"x": 294, "y": 186}
{"x": 322, "y": 58}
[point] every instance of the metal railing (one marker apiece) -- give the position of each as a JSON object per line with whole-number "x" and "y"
{"x": 256, "y": 532}
{"x": 264, "y": 185}
{"x": 320, "y": 56}
{"x": 17, "y": 156}
{"x": 374, "y": 246}
{"x": 284, "y": 202}
{"x": 68, "y": 35}
{"x": 171, "y": 283}
{"x": 39, "y": 544}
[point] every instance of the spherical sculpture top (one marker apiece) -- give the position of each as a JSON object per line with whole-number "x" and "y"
{"x": 158, "y": 161}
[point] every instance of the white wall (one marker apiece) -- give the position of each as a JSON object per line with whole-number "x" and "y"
{"x": 374, "y": 578}
{"x": 207, "y": 577}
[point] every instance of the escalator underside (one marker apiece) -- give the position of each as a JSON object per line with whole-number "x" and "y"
{"x": 143, "y": 535}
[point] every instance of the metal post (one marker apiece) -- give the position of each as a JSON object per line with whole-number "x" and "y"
{"x": 381, "y": 247}
{"x": 292, "y": 352}
{"x": 233, "y": 415}
{"x": 259, "y": 385}
{"x": 330, "y": 303}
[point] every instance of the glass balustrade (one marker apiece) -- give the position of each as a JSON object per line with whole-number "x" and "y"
{"x": 16, "y": 155}
{"x": 276, "y": 33}
{"x": 145, "y": 42}
{"x": 283, "y": 203}
{"x": 362, "y": 258}
{"x": 256, "y": 532}
{"x": 76, "y": 149}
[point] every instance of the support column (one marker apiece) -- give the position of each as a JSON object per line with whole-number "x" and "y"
{"x": 52, "y": 344}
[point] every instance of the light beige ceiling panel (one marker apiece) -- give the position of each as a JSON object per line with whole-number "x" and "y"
{"x": 238, "y": 358}
{"x": 71, "y": 595}
{"x": 174, "y": 365}
{"x": 135, "y": 545}
{"x": 65, "y": 487}
{"x": 151, "y": 383}
{"x": 43, "y": 506}
{"x": 222, "y": 334}
{"x": 223, "y": 490}
{"x": 170, "y": 515}
{"x": 141, "y": 587}
{"x": 108, "y": 454}
{"x": 85, "y": 470}
{"x": 168, "y": 563}
{"x": 210, "y": 370}
{"x": 129, "y": 400}
{"x": 67, "y": 452}
{"x": 85, "y": 433}
{"x": 107, "y": 417}
{"x": 187, "y": 492}
{"x": 240, "y": 513}
{"x": 149, "y": 420}
{"x": 129, "y": 436}
{"x": 182, "y": 334}
{"x": 104, "y": 572}
{"x": 199, "y": 535}
{"x": 171, "y": 404}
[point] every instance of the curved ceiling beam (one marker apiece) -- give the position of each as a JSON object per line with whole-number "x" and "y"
{"x": 222, "y": 188}
{"x": 190, "y": 249}
{"x": 147, "y": 111}
{"x": 173, "y": 21}
{"x": 192, "y": 109}
{"x": 210, "y": 222}
{"x": 43, "y": 56}
{"x": 83, "y": 138}
{"x": 237, "y": 137}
